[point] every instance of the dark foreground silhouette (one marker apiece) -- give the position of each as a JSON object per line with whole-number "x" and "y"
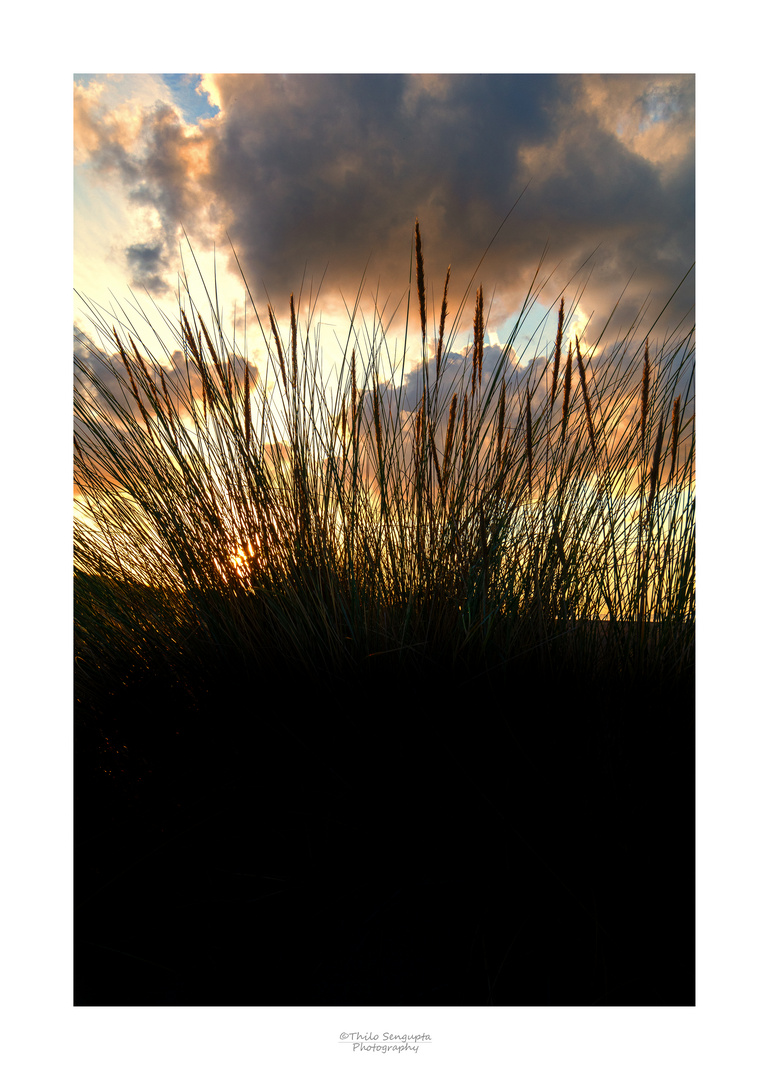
{"x": 420, "y": 840}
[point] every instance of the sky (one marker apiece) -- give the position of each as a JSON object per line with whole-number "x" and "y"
{"x": 315, "y": 181}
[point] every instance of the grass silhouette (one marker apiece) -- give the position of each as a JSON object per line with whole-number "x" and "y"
{"x": 393, "y": 657}
{"x": 546, "y": 508}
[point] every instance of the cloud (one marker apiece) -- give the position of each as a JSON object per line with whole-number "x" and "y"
{"x": 148, "y": 262}
{"x": 321, "y": 176}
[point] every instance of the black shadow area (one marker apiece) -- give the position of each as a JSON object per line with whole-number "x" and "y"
{"x": 430, "y": 839}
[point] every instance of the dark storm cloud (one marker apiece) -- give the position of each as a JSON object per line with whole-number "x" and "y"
{"x": 145, "y": 258}
{"x": 332, "y": 171}
{"x": 322, "y": 174}
{"x": 148, "y": 262}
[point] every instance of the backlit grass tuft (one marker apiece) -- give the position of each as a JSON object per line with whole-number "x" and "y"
{"x": 499, "y": 514}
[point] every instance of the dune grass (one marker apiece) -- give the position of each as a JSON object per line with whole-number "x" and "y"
{"x": 475, "y": 514}
{"x": 384, "y": 675}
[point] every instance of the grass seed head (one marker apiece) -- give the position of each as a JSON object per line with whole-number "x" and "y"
{"x": 450, "y": 431}
{"x": 478, "y": 338}
{"x": 557, "y": 356}
{"x": 421, "y": 280}
{"x": 276, "y": 336}
{"x": 442, "y": 327}
{"x": 566, "y": 393}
